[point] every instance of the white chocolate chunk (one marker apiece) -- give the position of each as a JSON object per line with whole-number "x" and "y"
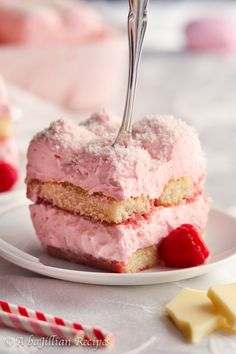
{"x": 224, "y": 299}
{"x": 194, "y": 314}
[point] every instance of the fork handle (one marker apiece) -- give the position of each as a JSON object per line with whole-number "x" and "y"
{"x": 137, "y": 23}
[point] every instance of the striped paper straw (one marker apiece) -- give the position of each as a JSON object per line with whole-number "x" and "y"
{"x": 42, "y": 324}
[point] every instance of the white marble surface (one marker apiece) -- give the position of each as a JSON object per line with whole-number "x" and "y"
{"x": 134, "y": 314}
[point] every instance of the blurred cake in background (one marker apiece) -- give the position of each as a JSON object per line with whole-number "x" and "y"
{"x": 48, "y": 21}
{"x": 8, "y": 151}
{"x": 211, "y": 35}
{"x": 61, "y": 50}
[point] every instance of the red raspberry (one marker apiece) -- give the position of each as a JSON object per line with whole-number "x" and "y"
{"x": 183, "y": 248}
{"x": 8, "y": 176}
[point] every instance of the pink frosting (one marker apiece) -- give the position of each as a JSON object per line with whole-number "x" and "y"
{"x": 63, "y": 230}
{"x": 46, "y": 21}
{"x": 162, "y": 148}
{"x": 101, "y": 123}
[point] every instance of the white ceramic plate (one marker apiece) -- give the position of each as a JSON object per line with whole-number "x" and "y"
{"x": 19, "y": 245}
{"x": 15, "y": 194}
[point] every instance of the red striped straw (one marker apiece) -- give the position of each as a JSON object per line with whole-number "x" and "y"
{"x": 42, "y": 324}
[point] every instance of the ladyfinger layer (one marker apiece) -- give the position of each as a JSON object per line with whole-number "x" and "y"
{"x": 142, "y": 259}
{"x": 71, "y": 198}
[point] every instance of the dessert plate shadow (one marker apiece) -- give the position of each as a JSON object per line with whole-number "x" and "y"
{"x": 19, "y": 245}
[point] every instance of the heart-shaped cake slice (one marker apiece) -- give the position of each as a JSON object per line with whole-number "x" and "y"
{"x": 110, "y": 202}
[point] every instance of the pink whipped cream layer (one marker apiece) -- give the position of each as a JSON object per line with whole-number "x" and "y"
{"x": 47, "y": 21}
{"x": 162, "y": 148}
{"x": 63, "y": 230}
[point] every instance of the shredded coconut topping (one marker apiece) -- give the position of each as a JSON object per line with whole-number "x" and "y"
{"x": 65, "y": 134}
{"x": 153, "y": 137}
{"x": 101, "y": 123}
{"x": 158, "y": 135}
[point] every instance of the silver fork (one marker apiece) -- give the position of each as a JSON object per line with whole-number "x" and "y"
{"x": 137, "y": 23}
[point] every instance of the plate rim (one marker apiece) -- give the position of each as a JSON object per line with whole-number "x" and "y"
{"x": 27, "y": 264}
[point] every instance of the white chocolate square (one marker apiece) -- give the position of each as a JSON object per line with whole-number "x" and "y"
{"x": 224, "y": 299}
{"x": 194, "y": 314}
